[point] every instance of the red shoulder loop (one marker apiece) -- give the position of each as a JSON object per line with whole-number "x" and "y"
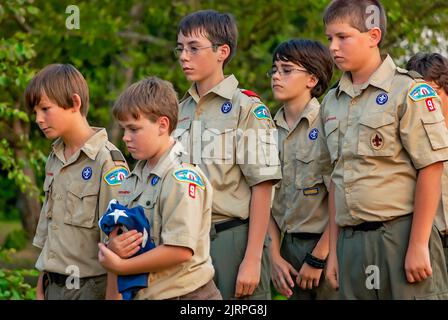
{"x": 250, "y": 93}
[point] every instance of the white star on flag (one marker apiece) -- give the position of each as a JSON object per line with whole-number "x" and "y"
{"x": 145, "y": 237}
{"x": 117, "y": 214}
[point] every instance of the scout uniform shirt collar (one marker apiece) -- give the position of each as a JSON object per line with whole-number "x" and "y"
{"x": 382, "y": 79}
{"x": 91, "y": 148}
{"x": 226, "y": 89}
{"x": 310, "y": 113}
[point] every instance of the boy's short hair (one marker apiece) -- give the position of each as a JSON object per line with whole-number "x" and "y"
{"x": 59, "y": 82}
{"x": 313, "y": 56}
{"x": 219, "y": 28}
{"x": 358, "y": 14}
{"x": 432, "y": 66}
{"x": 151, "y": 97}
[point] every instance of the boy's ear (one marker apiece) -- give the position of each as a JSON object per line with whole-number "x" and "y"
{"x": 375, "y": 35}
{"x": 312, "y": 81}
{"x": 164, "y": 125}
{"x": 224, "y": 52}
{"x": 76, "y": 99}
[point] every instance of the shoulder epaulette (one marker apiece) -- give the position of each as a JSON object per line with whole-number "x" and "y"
{"x": 411, "y": 73}
{"x": 116, "y": 155}
{"x": 250, "y": 93}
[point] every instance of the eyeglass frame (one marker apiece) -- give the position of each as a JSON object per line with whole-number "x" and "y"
{"x": 271, "y": 72}
{"x": 178, "y": 51}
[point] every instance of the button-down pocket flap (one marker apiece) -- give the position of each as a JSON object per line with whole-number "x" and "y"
{"x": 377, "y": 120}
{"x": 305, "y": 155}
{"x": 331, "y": 126}
{"x": 437, "y": 132}
{"x": 82, "y": 202}
{"x": 218, "y": 127}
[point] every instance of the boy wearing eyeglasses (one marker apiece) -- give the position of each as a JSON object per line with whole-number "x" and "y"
{"x": 230, "y": 134}
{"x": 301, "y": 71}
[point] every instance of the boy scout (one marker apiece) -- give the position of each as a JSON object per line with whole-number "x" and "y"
{"x": 176, "y": 197}
{"x": 300, "y": 73}
{"x": 228, "y": 132}
{"x": 83, "y": 173}
{"x": 434, "y": 69}
{"x": 387, "y": 139}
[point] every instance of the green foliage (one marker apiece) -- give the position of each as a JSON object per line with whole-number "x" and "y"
{"x": 16, "y": 239}
{"x": 14, "y": 284}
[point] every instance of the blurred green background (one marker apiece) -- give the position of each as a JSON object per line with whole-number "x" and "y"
{"x": 120, "y": 42}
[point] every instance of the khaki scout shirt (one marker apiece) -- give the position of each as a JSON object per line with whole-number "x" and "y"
{"x": 301, "y": 201}
{"x": 177, "y": 200}
{"x": 231, "y": 136}
{"x": 378, "y": 140}
{"x": 76, "y": 195}
{"x": 441, "y": 219}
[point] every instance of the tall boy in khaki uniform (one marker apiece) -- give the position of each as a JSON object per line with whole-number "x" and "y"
{"x": 387, "y": 139}
{"x": 434, "y": 69}
{"x": 175, "y": 195}
{"x": 300, "y": 73}
{"x": 83, "y": 173}
{"x": 230, "y": 134}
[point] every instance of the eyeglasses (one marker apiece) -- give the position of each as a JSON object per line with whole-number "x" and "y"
{"x": 283, "y": 73}
{"x": 192, "y": 50}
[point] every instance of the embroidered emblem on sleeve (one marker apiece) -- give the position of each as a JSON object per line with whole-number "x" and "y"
{"x": 116, "y": 176}
{"x": 190, "y": 177}
{"x": 422, "y": 91}
{"x": 262, "y": 112}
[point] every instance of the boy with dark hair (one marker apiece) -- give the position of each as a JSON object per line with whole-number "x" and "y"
{"x": 387, "y": 140}
{"x": 301, "y": 71}
{"x": 434, "y": 69}
{"x": 217, "y": 122}
{"x": 83, "y": 173}
{"x": 175, "y": 195}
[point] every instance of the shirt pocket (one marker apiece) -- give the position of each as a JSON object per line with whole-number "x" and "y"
{"x": 82, "y": 205}
{"x": 307, "y": 174}
{"x": 377, "y": 135}
{"x": 48, "y": 205}
{"x": 332, "y": 137}
{"x": 218, "y": 142}
{"x": 436, "y": 130}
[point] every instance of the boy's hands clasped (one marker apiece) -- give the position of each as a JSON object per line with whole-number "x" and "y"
{"x": 126, "y": 244}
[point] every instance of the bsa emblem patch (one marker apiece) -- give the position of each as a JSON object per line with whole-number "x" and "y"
{"x": 313, "y": 134}
{"x": 226, "y": 107}
{"x": 116, "y": 176}
{"x": 86, "y": 173}
{"x": 422, "y": 91}
{"x": 154, "y": 180}
{"x": 430, "y": 105}
{"x": 190, "y": 177}
{"x": 382, "y": 99}
{"x": 376, "y": 141}
{"x": 262, "y": 112}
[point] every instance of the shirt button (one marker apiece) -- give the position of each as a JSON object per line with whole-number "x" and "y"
{"x": 148, "y": 203}
{"x": 54, "y": 227}
{"x": 353, "y": 102}
{"x": 52, "y": 255}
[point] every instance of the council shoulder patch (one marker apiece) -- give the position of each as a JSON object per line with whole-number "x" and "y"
{"x": 422, "y": 91}
{"x": 116, "y": 176}
{"x": 262, "y": 112}
{"x": 189, "y": 176}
